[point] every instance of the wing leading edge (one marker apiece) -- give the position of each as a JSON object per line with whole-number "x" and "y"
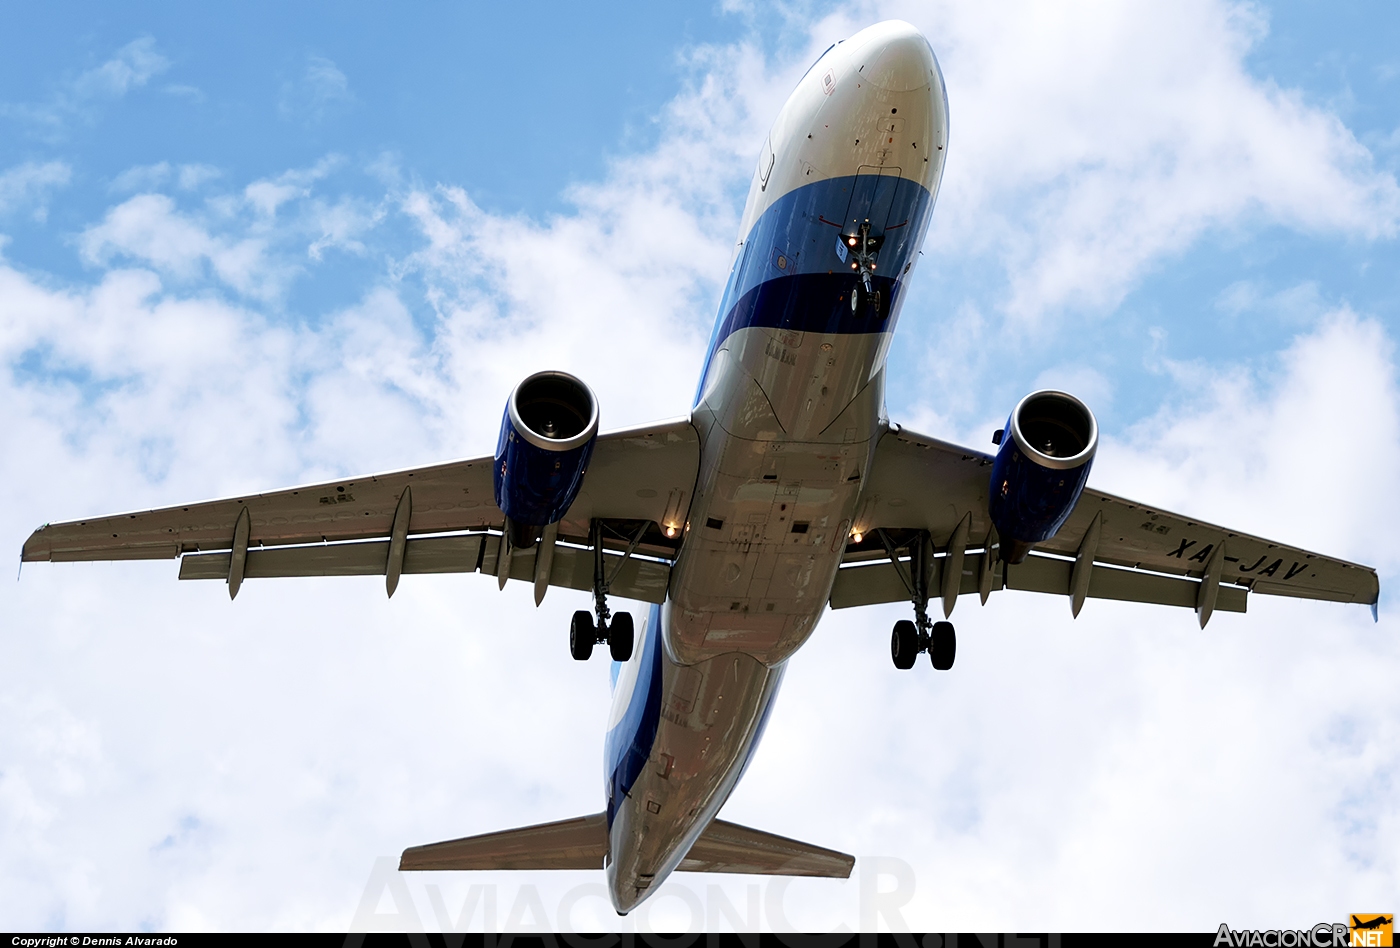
{"x": 1129, "y": 551}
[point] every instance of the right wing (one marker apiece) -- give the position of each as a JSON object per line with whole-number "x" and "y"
{"x": 1141, "y": 553}
{"x": 450, "y": 517}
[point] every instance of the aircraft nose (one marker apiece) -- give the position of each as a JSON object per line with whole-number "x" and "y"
{"x": 894, "y": 56}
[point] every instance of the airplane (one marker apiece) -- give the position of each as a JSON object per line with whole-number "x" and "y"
{"x": 787, "y": 490}
{"x": 1376, "y": 922}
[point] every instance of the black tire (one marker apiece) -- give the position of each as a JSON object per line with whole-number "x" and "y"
{"x": 581, "y": 635}
{"x": 904, "y": 644}
{"x": 942, "y": 646}
{"x": 859, "y": 299}
{"x": 620, "y": 637}
{"x": 875, "y": 300}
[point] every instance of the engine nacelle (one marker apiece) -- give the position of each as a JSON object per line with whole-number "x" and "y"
{"x": 1046, "y": 450}
{"x": 547, "y": 436}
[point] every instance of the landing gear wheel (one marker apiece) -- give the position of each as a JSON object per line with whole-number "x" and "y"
{"x": 620, "y": 637}
{"x": 581, "y": 635}
{"x": 942, "y": 645}
{"x": 904, "y": 644}
{"x": 864, "y": 302}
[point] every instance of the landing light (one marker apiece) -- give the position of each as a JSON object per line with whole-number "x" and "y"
{"x": 670, "y": 530}
{"x": 857, "y": 536}
{"x": 851, "y": 241}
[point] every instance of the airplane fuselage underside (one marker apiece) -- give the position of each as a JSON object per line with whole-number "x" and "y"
{"x": 787, "y": 411}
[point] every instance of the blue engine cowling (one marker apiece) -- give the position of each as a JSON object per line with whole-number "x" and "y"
{"x": 1046, "y": 451}
{"x": 547, "y": 436}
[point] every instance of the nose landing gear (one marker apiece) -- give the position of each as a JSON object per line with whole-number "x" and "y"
{"x": 864, "y": 249}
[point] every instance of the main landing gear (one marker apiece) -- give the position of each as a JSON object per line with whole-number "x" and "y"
{"x": 906, "y": 642}
{"x": 616, "y": 630}
{"x": 583, "y": 635}
{"x": 922, "y": 634}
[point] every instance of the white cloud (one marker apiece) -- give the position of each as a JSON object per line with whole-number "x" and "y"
{"x": 1336, "y": 398}
{"x": 131, "y": 68}
{"x": 268, "y": 194}
{"x": 188, "y": 177}
{"x": 142, "y": 177}
{"x": 149, "y": 228}
{"x": 27, "y": 186}
{"x": 340, "y": 224}
{"x": 233, "y": 234}
{"x": 321, "y": 91}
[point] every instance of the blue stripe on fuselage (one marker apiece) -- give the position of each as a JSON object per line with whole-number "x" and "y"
{"x": 809, "y": 291}
{"x": 629, "y": 743}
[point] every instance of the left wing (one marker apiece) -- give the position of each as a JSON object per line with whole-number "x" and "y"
{"x": 1141, "y": 553}
{"x": 447, "y": 515}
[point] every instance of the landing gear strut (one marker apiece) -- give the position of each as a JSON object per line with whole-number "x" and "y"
{"x": 616, "y": 630}
{"x": 922, "y": 635}
{"x": 863, "y": 250}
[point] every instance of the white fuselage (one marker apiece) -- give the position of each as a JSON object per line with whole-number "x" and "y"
{"x": 788, "y": 410}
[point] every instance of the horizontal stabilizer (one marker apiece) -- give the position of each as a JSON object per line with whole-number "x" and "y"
{"x": 581, "y": 843}
{"x": 729, "y": 847}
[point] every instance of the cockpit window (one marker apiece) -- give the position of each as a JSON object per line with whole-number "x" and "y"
{"x": 817, "y": 60}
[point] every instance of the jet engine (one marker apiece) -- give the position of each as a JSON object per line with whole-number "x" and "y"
{"x": 1046, "y": 450}
{"x": 547, "y": 436}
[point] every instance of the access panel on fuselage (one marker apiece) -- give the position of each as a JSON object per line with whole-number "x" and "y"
{"x": 875, "y": 198}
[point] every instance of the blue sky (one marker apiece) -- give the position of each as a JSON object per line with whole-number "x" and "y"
{"x": 255, "y": 246}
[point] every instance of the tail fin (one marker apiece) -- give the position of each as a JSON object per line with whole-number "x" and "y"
{"x": 581, "y": 843}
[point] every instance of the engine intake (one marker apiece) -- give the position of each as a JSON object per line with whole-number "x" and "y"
{"x": 547, "y": 437}
{"x": 1040, "y": 469}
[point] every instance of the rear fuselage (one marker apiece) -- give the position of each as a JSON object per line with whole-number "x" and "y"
{"x": 789, "y": 407}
